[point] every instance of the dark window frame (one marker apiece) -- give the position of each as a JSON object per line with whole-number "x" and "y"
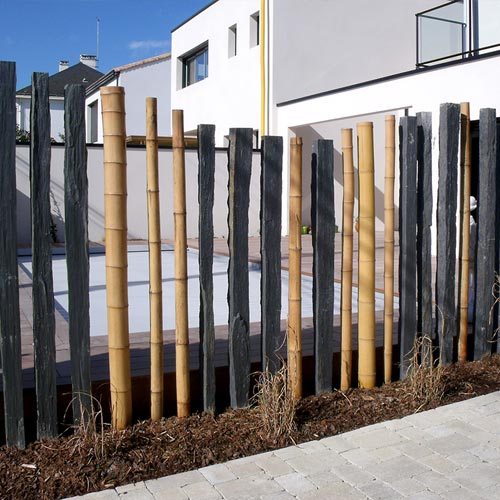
{"x": 191, "y": 63}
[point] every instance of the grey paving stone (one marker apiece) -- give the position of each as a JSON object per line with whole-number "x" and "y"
{"x": 290, "y": 452}
{"x": 353, "y": 475}
{"x": 201, "y": 491}
{"x": 244, "y": 469}
{"x": 383, "y": 454}
{"x": 325, "y": 478}
{"x": 414, "y": 450}
{"x": 278, "y": 496}
{"x": 397, "y": 424}
{"x": 408, "y": 486}
{"x": 248, "y": 488}
{"x": 174, "y": 481}
{"x": 218, "y": 473}
{"x": 378, "y": 490}
{"x": 463, "y": 494}
{"x": 377, "y": 438}
{"x": 359, "y": 457}
{"x": 451, "y": 444}
{"x": 439, "y": 463}
{"x": 486, "y": 453}
{"x": 295, "y": 483}
{"x": 313, "y": 447}
{"x": 477, "y": 476}
{"x": 274, "y": 466}
{"x": 396, "y": 469}
{"x": 99, "y": 495}
{"x": 131, "y": 488}
{"x": 414, "y": 434}
{"x": 436, "y": 482}
{"x": 339, "y": 443}
{"x": 464, "y": 458}
{"x": 337, "y": 491}
{"x": 488, "y": 424}
{"x": 170, "y": 494}
{"x": 425, "y": 495}
{"x": 308, "y": 464}
{"x": 491, "y": 493}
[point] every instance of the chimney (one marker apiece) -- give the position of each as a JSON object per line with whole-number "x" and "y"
{"x": 63, "y": 65}
{"x": 89, "y": 60}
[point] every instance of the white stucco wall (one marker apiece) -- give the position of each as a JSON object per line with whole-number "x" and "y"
{"x": 136, "y": 201}
{"x": 56, "y": 115}
{"x": 230, "y": 95}
{"x": 147, "y": 80}
{"x": 474, "y": 82}
{"x": 320, "y": 45}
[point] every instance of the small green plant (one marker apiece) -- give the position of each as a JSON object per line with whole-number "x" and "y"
{"x": 22, "y": 135}
{"x": 275, "y": 403}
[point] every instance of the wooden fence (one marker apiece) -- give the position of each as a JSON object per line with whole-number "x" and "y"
{"x": 420, "y": 310}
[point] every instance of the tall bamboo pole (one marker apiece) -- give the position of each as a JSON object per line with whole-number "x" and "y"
{"x": 366, "y": 290}
{"x": 390, "y": 156}
{"x": 180, "y": 250}
{"x": 465, "y": 161}
{"x": 115, "y": 224}
{"x": 154, "y": 242}
{"x": 347, "y": 225}
{"x": 294, "y": 332}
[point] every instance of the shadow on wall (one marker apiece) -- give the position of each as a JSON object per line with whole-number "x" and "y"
{"x": 332, "y": 130}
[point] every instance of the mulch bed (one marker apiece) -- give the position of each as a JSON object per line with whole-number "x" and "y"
{"x": 86, "y": 462}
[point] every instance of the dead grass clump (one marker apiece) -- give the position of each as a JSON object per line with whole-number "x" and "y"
{"x": 275, "y": 404}
{"x": 425, "y": 373}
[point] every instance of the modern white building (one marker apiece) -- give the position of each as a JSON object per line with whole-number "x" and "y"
{"x": 291, "y": 67}
{"x": 84, "y": 73}
{"x": 141, "y": 79}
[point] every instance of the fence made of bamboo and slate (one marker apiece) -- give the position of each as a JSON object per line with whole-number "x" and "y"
{"x": 443, "y": 313}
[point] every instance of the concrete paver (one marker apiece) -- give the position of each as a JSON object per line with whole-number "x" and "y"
{"x": 443, "y": 453}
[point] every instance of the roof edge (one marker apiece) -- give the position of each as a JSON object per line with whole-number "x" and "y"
{"x": 194, "y": 15}
{"x": 110, "y": 75}
{"x": 142, "y": 62}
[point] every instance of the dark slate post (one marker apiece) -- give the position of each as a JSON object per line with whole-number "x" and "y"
{"x": 240, "y": 168}
{"x": 487, "y": 222}
{"x": 446, "y": 309}
{"x": 43, "y": 295}
{"x": 270, "y": 250}
{"x": 206, "y": 186}
{"x": 77, "y": 248}
{"x": 407, "y": 330}
{"x": 424, "y": 223}
{"x": 323, "y": 229}
{"x": 10, "y": 329}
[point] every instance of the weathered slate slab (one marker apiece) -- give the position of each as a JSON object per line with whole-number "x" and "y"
{"x": 10, "y": 329}
{"x": 240, "y": 168}
{"x": 487, "y": 226}
{"x": 77, "y": 249}
{"x": 270, "y": 250}
{"x": 424, "y": 223}
{"x": 407, "y": 327}
{"x": 323, "y": 228}
{"x": 446, "y": 308}
{"x": 206, "y": 186}
{"x": 43, "y": 294}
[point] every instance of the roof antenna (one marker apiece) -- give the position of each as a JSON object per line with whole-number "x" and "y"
{"x": 98, "y": 25}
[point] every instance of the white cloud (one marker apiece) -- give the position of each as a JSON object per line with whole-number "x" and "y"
{"x": 148, "y": 44}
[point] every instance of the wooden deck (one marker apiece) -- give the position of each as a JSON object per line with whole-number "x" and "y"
{"x": 139, "y": 342}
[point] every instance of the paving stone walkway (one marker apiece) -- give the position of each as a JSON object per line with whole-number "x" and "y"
{"x": 450, "y": 452}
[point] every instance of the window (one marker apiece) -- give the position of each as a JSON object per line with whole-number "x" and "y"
{"x": 232, "y": 41}
{"x": 254, "y": 29}
{"x": 93, "y": 122}
{"x": 195, "y": 66}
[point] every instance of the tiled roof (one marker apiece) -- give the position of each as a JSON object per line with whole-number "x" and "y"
{"x": 79, "y": 73}
{"x": 137, "y": 64}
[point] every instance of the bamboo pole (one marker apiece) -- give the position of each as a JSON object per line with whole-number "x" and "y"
{"x": 347, "y": 225}
{"x": 294, "y": 330}
{"x": 465, "y": 161}
{"x": 154, "y": 243}
{"x": 390, "y": 156}
{"x": 115, "y": 224}
{"x": 366, "y": 290}
{"x": 180, "y": 250}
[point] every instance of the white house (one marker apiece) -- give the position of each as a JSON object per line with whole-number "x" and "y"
{"x": 291, "y": 67}
{"x": 146, "y": 78}
{"x": 84, "y": 73}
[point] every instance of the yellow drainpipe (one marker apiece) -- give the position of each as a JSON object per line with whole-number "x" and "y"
{"x": 262, "y": 67}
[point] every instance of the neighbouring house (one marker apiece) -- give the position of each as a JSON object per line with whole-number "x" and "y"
{"x": 84, "y": 73}
{"x": 141, "y": 79}
{"x": 309, "y": 69}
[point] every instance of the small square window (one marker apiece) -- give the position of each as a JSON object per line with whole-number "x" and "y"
{"x": 195, "y": 66}
{"x": 232, "y": 41}
{"x": 255, "y": 29}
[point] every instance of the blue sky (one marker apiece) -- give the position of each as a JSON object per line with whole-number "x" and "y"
{"x": 36, "y": 34}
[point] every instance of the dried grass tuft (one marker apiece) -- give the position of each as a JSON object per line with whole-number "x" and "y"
{"x": 275, "y": 404}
